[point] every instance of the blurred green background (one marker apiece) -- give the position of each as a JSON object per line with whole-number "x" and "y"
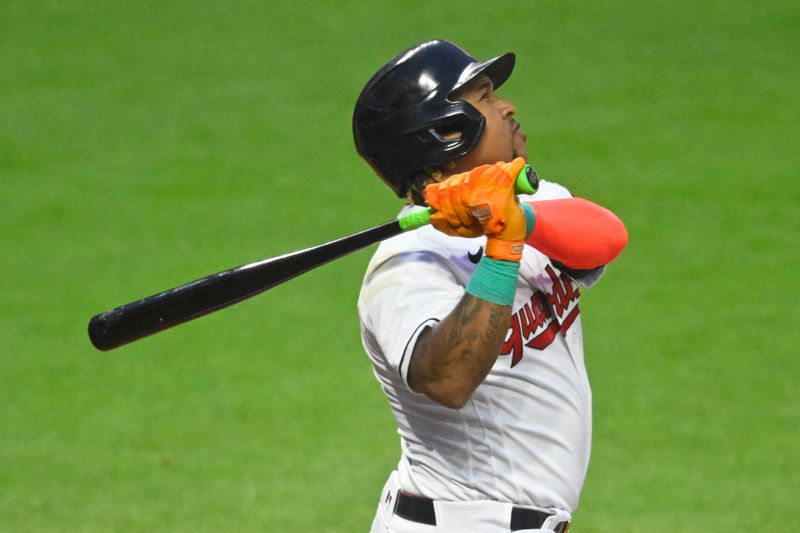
{"x": 144, "y": 144}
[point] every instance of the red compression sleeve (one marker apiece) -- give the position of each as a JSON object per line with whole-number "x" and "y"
{"x": 576, "y": 232}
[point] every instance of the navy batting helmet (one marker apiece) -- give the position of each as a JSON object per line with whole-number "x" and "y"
{"x": 404, "y": 112}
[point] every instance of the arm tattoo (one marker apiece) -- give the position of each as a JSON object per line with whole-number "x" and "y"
{"x": 457, "y": 354}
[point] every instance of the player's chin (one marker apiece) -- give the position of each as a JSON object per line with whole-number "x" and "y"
{"x": 520, "y": 150}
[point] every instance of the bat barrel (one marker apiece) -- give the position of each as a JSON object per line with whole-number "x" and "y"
{"x": 162, "y": 311}
{"x": 170, "y": 308}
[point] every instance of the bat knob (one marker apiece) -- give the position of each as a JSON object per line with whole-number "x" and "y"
{"x": 527, "y": 181}
{"x": 533, "y": 177}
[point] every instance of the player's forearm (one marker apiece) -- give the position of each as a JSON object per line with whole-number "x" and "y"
{"x": 453, "y": 358}
{"x": 576, "y": 232}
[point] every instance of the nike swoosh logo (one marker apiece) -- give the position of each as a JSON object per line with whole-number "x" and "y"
{"x": 474, "y": 258}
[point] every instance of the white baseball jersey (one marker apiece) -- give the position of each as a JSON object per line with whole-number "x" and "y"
{"x": 525, "y": 434}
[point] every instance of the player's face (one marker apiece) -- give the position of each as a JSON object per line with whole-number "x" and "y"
{"x": 502, "y": 138}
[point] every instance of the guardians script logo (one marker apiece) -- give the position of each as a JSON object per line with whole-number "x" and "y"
{"x": 537, "y": 323}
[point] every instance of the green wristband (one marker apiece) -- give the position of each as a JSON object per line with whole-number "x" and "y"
{"x": 494, "y": 281}
{"x": 530, "y": 218}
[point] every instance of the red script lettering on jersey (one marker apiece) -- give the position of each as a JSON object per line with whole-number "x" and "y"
{"x": 534, "y": 324}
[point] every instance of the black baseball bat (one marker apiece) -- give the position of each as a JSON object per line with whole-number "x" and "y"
{"x": 172, "y": 307}
{"x": 192, "y": 300}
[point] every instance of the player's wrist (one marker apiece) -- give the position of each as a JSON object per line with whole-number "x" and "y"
{"x": 518, "y": 222}
{"x": 494, "y": 280}
{"x": 502, "y": 250}
{"x": 509, "y": 244}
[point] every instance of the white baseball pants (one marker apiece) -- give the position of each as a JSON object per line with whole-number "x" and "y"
{"x": 454, "y": 517}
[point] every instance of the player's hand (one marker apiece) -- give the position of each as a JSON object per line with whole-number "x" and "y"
{"x": 484, "y": 195}
{"x": 506, "y": 226}
{"x": 450, "y": 215}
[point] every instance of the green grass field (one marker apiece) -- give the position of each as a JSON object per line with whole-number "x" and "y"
{"x": 144, "y": 144}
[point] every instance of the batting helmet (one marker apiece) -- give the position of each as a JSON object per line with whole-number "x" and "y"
{"x": 403, "y": 113}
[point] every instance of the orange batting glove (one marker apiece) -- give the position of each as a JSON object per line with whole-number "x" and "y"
{"x": 482, "y": 201}
{"x": 494, "y": 204}
{"x": 450, "y": 215}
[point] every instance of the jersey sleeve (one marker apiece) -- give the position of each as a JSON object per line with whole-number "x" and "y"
{"x": 585, "y": 278}
{"x": 400, "y": 299}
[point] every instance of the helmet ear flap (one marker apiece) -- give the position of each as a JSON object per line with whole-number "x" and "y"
{"x": 455, "y": 129}
{"x": 472, "y": 127}
{"x": 440, "y": 135}
{"x": 458, "y": 132}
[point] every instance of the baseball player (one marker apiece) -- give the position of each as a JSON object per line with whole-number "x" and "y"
{"x": 473, "y": 324}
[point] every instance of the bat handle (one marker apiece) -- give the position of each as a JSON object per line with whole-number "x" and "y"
{"x": 527, "y": 183}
